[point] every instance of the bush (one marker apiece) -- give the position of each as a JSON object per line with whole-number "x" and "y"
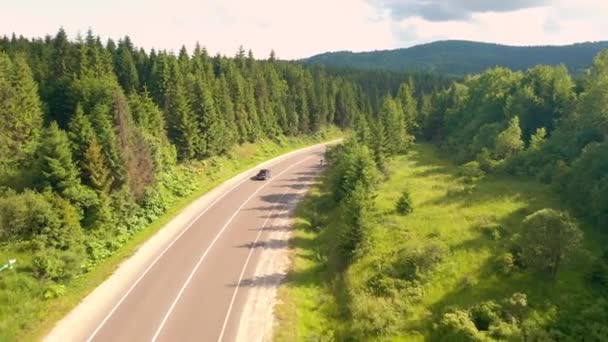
{"x": 506, "y": 263}
{"x": 404, "y": 203}
{"x": 55, "y": 265}
{"x": 471, "y": 170}
{"x": 46, "y": 218}
{"x": 485, "y": 161}
{"x": 458, "y": 326}
{"x": 54, "y": 291}
{"x": 416, "y": 264}
{"x": 485, "y": 314}
{"x": 504, "y": 331}
{"x": 373, "y": 317}
{"x": 492, "y": 230}
{"x": 599, "y": 271}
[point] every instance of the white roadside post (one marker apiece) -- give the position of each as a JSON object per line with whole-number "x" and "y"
{"x": 10, "y": 264}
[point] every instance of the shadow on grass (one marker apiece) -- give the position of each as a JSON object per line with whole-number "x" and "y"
{"x": 489, "y": 189}
{"x": 489, "y": 283}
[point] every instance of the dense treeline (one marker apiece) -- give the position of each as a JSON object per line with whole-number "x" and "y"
{"x": 459, "y": 58}
{"x": 91, "y": 133}
{"x": 535, "y": 123}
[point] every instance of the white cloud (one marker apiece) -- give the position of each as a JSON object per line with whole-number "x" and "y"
{"x": 559, "y": 23}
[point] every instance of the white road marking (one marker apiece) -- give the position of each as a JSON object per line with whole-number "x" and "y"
{"x": 198, "y": 264}
{"x": 122, "y": 299}
{"x": 238, "y": 283}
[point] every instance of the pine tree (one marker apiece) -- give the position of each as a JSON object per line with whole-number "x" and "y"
{"x": 57, "y": 168}
{"x": 80, "y": 133}
{"x": 391, "y": 116}
{"x": 211, "y": 126}
{"x": 182, "y": 126}
{"x": 124, "y": 67}
{"x": 20, "y": 112}
{"x": 225, "y": 109}
{"x": 106, "y": 136}
{"x": 58, "y": 93}
{"x": 96, "y": 170}
{"x": 409, "y": 105}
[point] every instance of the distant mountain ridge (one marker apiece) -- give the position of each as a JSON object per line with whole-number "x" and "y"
{"x": 460, "y": 57}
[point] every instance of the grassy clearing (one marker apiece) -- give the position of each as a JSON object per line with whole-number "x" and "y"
{"x": 24, "y": 313}
{"x": 448, "y": 211}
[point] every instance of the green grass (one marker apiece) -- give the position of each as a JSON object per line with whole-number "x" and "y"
{"x": 305, "y": 302}
{"x": 24, "y": 313}
{"x": 447, "y": 211}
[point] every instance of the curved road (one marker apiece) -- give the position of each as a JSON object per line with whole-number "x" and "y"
{"x": 195, "y": 288}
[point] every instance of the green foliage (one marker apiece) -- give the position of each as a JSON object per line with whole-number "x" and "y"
{"x": 404, "y": 204}
{"x": 506, "y": 263}
{"x": 509, "y": 142}
{"x": 84, "y": 168}
{"x": 538, "y": 139}
{"x": 358, "y": 210}
{"x": 354, "y": 166}
{"x": 96, "y": 168}
{"x": 492, "y": 230}
{"x": 20, "y": 113}
{"x": 599, "y": 272}
{"x": 549, "y": 238}
{"x": 444, "y": 272}
{"x": 57, "y": 168}
{"x": 54, "y": 291}
{"x": 50, "y": 264}
{"x": 459, "y": 327}
{"x": 418, "y": 263}
{"x": 471, "y": 170}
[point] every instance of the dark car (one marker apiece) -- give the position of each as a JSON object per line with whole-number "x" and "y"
{"x": 264, "y": 174}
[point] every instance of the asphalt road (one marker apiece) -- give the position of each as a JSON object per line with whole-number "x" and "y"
{"x": 196, "y": 288}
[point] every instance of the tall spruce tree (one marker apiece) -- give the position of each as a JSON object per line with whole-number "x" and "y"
{"x": 183, "y": 128}
{"x": 20, "y": 112}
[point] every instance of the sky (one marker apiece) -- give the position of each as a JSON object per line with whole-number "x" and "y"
{"x": 301, "y": 28}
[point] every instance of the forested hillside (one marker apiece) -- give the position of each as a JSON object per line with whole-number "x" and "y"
{"x": 459, "y": 58}
{"x": 98, "y": 140}
{"x": 534, "y": 124}
{"x": 495, "y": 233}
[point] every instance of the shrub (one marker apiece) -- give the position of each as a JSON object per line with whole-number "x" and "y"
{"x": 46, "y": 218}
{"x": 599, "y": 271}
{"x": 54, "y": 291}
{"x": 471, "y": 170}
{"x": 485, "y": 314}
{"x": 492, "y": 230}
{"x": 504, "y": 331}
{"x": 404, "y": 203}
{"x": 55, "y": 265}
{"x": 373, "y": 317}
{"x": 416, "y": 264}
{"x": 516, "y": 251}
{"x": 458, "y": 326}
{"x": 506, "y": 263}
{"x": 485, "y": 161}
